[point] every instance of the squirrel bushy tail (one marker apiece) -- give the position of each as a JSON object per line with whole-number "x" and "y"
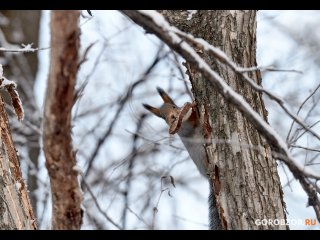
{"x": 214, "y": 220}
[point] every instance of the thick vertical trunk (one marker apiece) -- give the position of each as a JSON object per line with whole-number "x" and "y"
{"x": 60, "y": 97}
{"x": 15, "y": 208}
{"x": 244, "y": 174}
{"x": 18, "y": 31}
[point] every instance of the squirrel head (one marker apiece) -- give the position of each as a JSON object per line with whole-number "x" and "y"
{"x": 169, "y": 111}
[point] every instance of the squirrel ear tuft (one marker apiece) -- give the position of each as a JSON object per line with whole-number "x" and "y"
{"x": 155, "y": 111}
{"x": 165, "y": 97}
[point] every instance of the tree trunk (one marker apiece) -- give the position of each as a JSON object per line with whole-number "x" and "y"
{"x": 60, "y": 97}
{"x": 244, "y": 174}
{"x": 15, "y": 208}
{"x": 18, "y": 31}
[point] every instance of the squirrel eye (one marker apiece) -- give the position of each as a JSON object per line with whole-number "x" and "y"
{"x": 172, "y": 117}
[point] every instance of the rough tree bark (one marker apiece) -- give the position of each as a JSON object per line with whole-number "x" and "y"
{"x": 60, "y": 97}
{"x": 15, "y": 208}
{"x": 243, "y": 171}
{"x": 18, "y": 31}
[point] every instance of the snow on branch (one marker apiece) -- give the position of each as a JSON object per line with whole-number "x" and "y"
{"x": 223, "y": 58}
{"x": 269, "y": 68}
{"x": 190, "y": 14}
{"x": 154, "y": 22}
{"x": 11, "y": 86}
{"x": 25, "y": 49}
{"x": 13, "y": 48}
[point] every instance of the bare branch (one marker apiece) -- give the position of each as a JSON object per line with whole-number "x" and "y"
{"x": 98, "y": 205}
{"x": 155, "y": 208}
{"x": 24, "y": 49}
{"x": 138, "y": 217}
{"x": 131, "y": 160}
{"x": 295, "y": 139}
{"x": 270, "y": 69}
{"x": 305, "y": 148}
{"x": 301, "y": 106}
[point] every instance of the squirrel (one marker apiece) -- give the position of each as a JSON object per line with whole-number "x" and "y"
{"x": 185, "y": 121}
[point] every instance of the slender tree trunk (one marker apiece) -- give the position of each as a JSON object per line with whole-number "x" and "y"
{"x": 15, "y": 208}
{"x": 60, "y": 97}
{"x": 243, "y": 173}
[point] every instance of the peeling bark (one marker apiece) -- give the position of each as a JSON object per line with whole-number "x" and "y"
{"x": 60, "y": 97}
{"x": 15, "y": 208}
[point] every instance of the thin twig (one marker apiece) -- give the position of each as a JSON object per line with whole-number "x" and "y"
{"x": 305, "y": 148}
{"x": 134, "y": 154}
{"x": 270, "y": 69}
{"x": 302, "y": 104}
{"x": 155, "y": 208}
{"x": 98, "y": 205}
{"x": 176, "y": 61}
{"x": 190, "y": 221}
{"x": 138, "y": 217}
{"x": 291, "y": 141}
{"x": 23, "y": 50}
